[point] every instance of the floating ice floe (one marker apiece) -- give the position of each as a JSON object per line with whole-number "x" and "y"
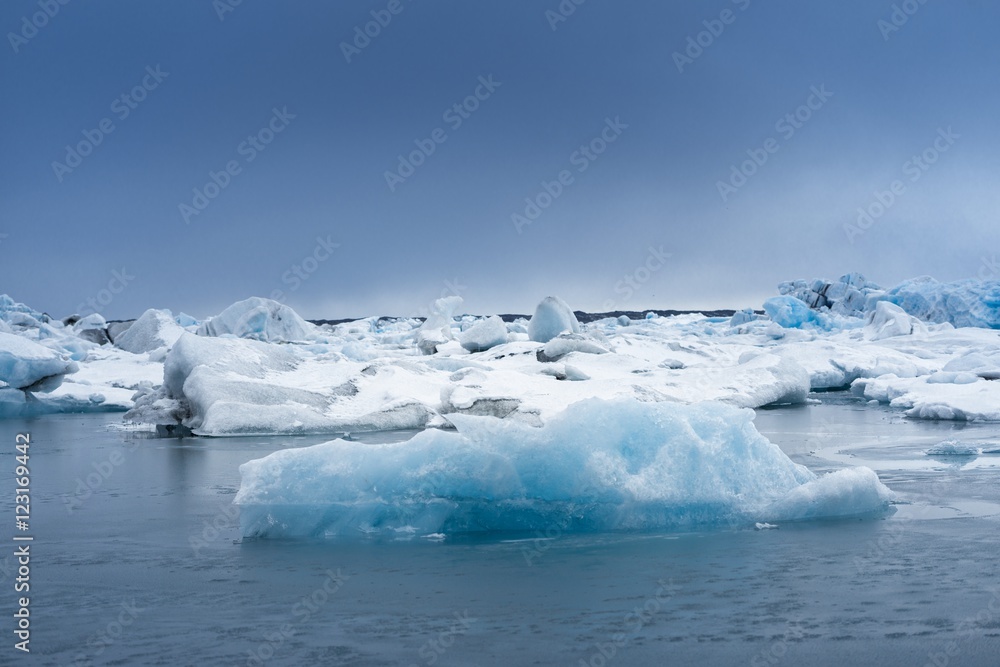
{"x": 955, "y": 448}
{"x": 599, "y": 465}
{"x": 26, "y": 365}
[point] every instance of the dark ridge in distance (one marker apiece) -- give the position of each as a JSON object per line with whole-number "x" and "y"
{"x": 580, "y": 315}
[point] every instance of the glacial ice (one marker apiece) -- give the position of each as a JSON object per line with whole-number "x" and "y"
{"x": 789, "y": 312}
{"x": 436, "y": 329}
{"x": 888, "y": 320}
{"x": 955, "y": 448}
{"x": 259, "y": 319}
{"x": 154, "y": 329}
{"x": 964, "y": 303}
{"x": 552, "y": 317}
{"x": 404, "y": 373}
{"x": 484, "y": 334}
{"x": 29, "y": 366}
{"x": 599, "y": 465}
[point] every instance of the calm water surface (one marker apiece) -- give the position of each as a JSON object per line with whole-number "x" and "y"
{"x": 137, "y": 561}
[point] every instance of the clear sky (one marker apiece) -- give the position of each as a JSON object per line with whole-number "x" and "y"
{"x": 117, "y": 114}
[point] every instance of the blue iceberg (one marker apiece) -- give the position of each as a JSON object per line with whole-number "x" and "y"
{"x": 600, "y": 465}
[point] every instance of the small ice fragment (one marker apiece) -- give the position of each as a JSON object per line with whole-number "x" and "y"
{"x": 954, "y": 448}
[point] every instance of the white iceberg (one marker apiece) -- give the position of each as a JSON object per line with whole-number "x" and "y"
{"x": 259, "y": 319}
{"x": 28, "y": 366}
{"x": 955, "y": 448}
{"x": 154, "y": 329}
{"x": 484, "y": 334}
{"x": 552, "y": 317}
{"x": 436, "y": 329}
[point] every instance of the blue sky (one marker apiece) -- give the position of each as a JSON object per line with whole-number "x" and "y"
{"x": 310, "y": 217}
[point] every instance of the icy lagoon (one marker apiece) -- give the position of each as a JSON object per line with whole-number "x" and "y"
{"x": 157, "y": 547}
{"x": 812, "y": 483}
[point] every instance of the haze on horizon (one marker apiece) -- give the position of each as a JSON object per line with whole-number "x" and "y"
{"x": 679, "y": 156}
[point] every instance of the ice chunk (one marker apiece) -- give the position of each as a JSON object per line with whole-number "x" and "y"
{"x": 484, "y": 334}
{"x": 954, "y": 448}
{"x": 436, "y": 329}
{"x": 742, "y": 317}
{"x": 964, "y": 303}
{"x": 853, "y": 492}
{"x": 599, "y": 465}
{"x": 948, "y": 396}
{"x": 789, "y": 312}
{"x": 154, "y": 329}
{"x": 888, "y": 320}
{"x": 92, "y": 328}
{"x": 259, "y": 319}
{"x": 552, "y": 317}
{"x": 847, "y": 296}
{"x": 24, "y": 364}
{"x": 231, "y": 386}
{"x": 563, "y": 344}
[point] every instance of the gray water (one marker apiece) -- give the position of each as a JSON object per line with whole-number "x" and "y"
{"x": 142, "y": 565}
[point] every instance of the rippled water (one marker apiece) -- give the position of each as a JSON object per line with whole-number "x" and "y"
{"x": 142, "y": 564}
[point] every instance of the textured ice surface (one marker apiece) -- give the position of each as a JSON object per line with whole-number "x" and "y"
{"x": 888, "y": 320}
{"x": 484, "y": 334}
{"x": 599, "y": 465}
{"x": 552, "y": 317}
{"x": 25, "y": 364}
{"x": 964, "y": 303}
{"x": 789, "y": 312}
{"x": 436, "y": 329}
{"x": 154, "y": 329}
{"x": 259, "y": 319}
{"x": 955, "y": 448}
